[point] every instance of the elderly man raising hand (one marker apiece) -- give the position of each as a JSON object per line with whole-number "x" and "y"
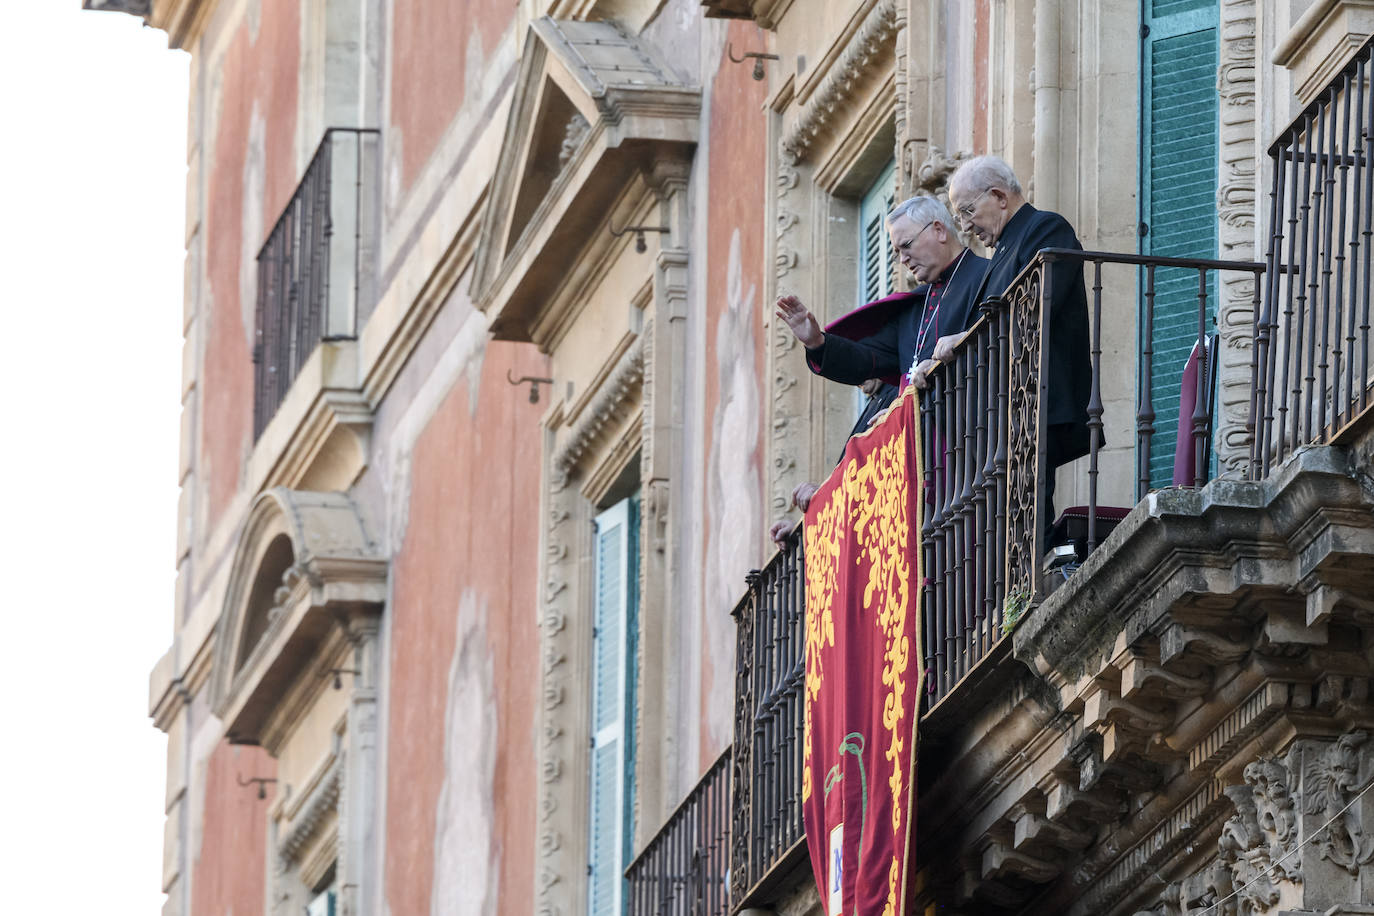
{"x": 918, "y": 327}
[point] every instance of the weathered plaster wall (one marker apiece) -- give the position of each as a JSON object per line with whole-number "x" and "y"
{"x": 439, "y": 50}
{"x": 735, "y": 360}
{"x": 460, "y": 773}
{"x": 252, "y": 176}
{"x": 229, "y": 856}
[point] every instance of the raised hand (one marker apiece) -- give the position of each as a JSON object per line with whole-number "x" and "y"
{"x": 801, "y": 321}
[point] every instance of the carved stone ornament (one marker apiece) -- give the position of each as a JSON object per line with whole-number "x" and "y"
{"x": 627, "y": 107}
{"x": 1332, "y": 780}
{"x": 1259, "y": 844}
{"x": 1236, "y": 229}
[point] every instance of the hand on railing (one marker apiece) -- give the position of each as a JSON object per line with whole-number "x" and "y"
{"x": 801, "y": 499}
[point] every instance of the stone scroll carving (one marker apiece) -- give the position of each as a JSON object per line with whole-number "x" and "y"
{"x": 1236, "y": 229}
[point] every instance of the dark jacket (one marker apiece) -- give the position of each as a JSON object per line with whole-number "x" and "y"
{"x": 1068, "y": 366}
{"x": 890, "y": 351}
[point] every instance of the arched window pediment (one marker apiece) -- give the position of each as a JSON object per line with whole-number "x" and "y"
{"x": 305, "y": 562}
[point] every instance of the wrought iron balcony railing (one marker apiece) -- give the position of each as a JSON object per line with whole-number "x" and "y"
{"x": 1312, "y": 347}
{"x": 766, "y": 824}
{"x": 682, "y": 872}
{"x": 985, "y": 517}
{"x": 984, "y": 431}
{"x": 314, "y": 269}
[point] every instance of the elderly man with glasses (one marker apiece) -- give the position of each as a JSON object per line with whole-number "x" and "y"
{"x": 907, "y": 332}
{"x": 988, "y": 198}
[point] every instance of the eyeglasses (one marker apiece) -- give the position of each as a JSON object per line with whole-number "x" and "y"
{"x": 965, "y": 213}
{"x": 912, "y": 241}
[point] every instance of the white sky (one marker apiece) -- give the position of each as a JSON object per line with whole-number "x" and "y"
{"x": 92, "y": 203}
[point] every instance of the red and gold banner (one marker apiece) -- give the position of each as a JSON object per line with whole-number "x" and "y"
{"x": 863, "y": 668}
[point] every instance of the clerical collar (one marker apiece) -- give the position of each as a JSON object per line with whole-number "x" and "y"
{"x": 950, "y": 270}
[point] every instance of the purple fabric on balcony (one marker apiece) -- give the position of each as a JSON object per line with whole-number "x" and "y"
{"x": 1185, "y": 457}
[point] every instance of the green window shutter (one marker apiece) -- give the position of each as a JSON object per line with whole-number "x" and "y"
{"x": 613, "y": 698}
{"x": 1178, "y": 175}
{"x": 877, "y": 266}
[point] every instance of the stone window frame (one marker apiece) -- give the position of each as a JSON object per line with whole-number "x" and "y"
{"x": 825, "y": 149}
{"x": 325, "y": 618}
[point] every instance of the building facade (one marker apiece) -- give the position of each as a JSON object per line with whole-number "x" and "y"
{"x": 486, "y": 416}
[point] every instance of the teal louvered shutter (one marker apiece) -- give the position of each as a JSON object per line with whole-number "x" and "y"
{"x": 877, "y": 261}
{"x": 613, "y": 704}
{"x": 1178, "y": 200}
{"x": 877, "y": 264}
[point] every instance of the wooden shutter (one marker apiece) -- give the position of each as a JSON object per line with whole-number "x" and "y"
{"x": 877, "y": 265}
{"x": 613, "y": 705}
{"x": 1178, "y": 174}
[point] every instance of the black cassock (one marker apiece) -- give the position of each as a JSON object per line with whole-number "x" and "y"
{"x": 1068, "y": 362}
{"x": 888, "y": 349}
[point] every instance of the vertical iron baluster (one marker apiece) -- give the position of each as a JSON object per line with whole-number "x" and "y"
{"x": 1311, "y": 256}
{"x": 933, "y": 625}
{"x": 976, "y": 348}
{"x": 1095, "y": 406}
{"x": 939, "y": 584}
{"x": 986, "y": 344}
{"x": 1041, "y": 470}
{"x": 1329, "y": 205}
{"x": 1287, "y": 432}
{"x": 1145, "y": 413}
{"x": 1266, "y": 350}
{"x": 1354, "y": 152}
{"x": 964, "y": 365}
{"x": 1338, "y": 245}
{"x": 1200, "y": 405}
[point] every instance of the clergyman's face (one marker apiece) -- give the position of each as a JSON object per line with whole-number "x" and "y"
{"x": 919, "y": 246}
{"x": 982, "y": 212}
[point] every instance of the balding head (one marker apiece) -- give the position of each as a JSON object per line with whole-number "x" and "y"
{"x": 985, "y": 193}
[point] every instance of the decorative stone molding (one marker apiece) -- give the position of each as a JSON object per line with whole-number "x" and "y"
{"x": 788, "y": 399}
{"x": 871, "y": 44}
{"x": 336, "y": 570}
{"x": 561, "y": 636}
{"x": 322, "y": 802}
{"x": 1236, "y": 231}
{"x": 610, "y": 407}
{"x": 1322, "y": 41}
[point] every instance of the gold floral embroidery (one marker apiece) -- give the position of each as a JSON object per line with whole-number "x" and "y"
{"x": 870, "y": 501}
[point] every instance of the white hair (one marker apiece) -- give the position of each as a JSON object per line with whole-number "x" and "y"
{"x": 983, "y": 173}
{"x": 923, "y": 210}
